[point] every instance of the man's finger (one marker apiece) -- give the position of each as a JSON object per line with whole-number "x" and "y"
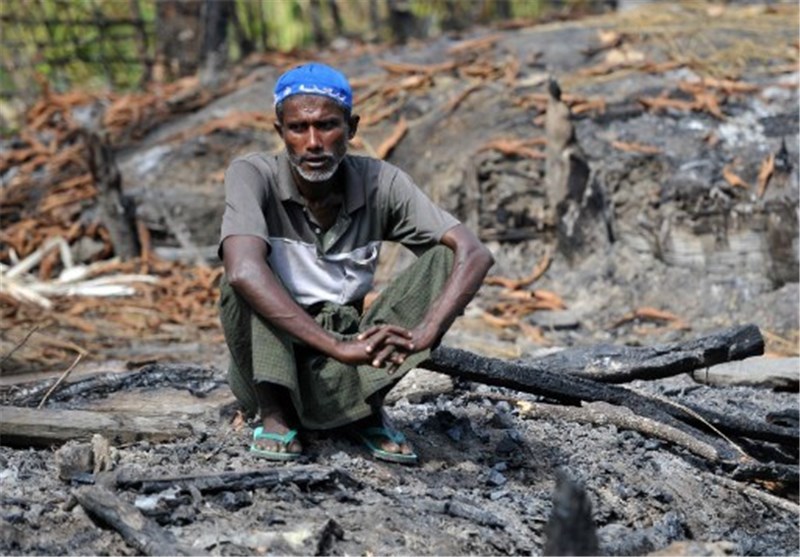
{"x": 382, "y": 356}
{"x": 389, "y": 329}
{"x": 369, "y": 332}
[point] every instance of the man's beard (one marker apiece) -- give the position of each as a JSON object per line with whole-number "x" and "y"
{"x": 333, "y": 159}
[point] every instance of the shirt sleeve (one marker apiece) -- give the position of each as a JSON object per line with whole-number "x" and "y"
{"x": 246, "y": 197}
{"x": 413, "y": 219}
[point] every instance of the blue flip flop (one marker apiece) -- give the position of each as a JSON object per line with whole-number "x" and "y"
{"x": 368, "y": 435}
{"x": 284, "y": 439}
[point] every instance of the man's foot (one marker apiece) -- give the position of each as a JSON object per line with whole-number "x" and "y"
{"x": 276, "y": 441}
{"x": 383, "y": 441}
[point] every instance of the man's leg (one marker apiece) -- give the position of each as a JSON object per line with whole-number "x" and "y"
{"x": 404, "y": 302}
{"x": 270, "y": 400}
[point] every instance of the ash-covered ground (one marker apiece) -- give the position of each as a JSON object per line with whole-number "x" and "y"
{"x": 685, "y": 241}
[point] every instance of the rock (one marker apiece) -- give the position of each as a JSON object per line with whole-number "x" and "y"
{"x": 698, "y": 548}
{"x": 86, "y": 249}
{"x": 760, "y": 371}
{"x": 419, "y": 384}
{"x": 557, "y": 320}
{"x": 496, "y": 479}
{"x": 74, "y": 460}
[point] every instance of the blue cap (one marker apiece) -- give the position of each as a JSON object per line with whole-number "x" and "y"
{"x": 315, "y": 79}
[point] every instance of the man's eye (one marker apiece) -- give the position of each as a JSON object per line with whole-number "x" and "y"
{"x": 297, "y": 128}
{"x": 327, "y": 126}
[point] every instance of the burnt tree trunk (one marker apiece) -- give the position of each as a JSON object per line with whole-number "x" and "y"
{"x": 216, "y": 16}
{"x": 317, "y": 31}
{"x": 577, "y": 200}
{"x": 402, "y": 21}
{"x": 116, "y": 210}
{"x": 179, "y": 35}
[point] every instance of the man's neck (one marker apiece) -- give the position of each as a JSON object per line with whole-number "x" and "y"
{"x": 315, "y": 192}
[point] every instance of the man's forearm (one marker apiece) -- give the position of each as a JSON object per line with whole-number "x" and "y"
{"x": 471, "y": 263}
{"x": 263, "y": 292}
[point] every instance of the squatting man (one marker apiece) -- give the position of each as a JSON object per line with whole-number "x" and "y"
{"x": 300, "y": 240}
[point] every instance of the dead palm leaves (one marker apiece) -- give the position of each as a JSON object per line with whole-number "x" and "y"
{"x": 516, "y": 304}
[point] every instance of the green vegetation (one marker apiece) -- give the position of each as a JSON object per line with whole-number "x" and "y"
{"x": 97, "y": 44}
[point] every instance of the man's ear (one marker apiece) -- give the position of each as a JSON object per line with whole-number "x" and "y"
{"x": 353, "y": 126}
{"x": 279, "y": 128}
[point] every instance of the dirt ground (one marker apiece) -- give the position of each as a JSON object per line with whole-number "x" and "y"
{"x": 487, "y": 474}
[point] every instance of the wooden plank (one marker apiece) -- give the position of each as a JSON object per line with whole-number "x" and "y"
{"x": 180, "y": 404}
{"x": 29, "y": 427}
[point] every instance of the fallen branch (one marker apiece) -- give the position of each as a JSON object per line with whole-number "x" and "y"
{"x": 601, "y": 413}
{"x": 19, "y": 345}
{"x": 514, "y": 284}
{"x": 394, "y": 138}
{"x": 767, "y": 498}
{"x": 60, "y": 380}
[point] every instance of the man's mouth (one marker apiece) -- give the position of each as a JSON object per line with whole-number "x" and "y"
{"x": 317, "y": 162}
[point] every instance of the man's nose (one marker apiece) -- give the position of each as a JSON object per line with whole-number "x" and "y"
{"x": 314, "y": 138}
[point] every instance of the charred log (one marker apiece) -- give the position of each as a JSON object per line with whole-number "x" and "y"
{"x": 621, "y": 364}
{"x": 304, "y": 476}
{"x": 139, "y": 531}
{"x": 570, "y": 529}
{"x": 195, "y": 379}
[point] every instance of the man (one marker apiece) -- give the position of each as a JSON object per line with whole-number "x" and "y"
{"x": 300, "y": 240}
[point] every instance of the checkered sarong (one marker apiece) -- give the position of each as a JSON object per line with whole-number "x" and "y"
{"x": 325, "y": 392}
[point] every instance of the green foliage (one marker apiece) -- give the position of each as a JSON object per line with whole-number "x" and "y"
{"x": 94, "y": 43}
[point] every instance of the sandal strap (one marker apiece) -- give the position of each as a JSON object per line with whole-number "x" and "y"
{"x": 380, "y": 431}
{"x": 282, "y": 438}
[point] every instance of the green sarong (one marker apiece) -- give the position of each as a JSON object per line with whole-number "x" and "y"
{"x": 325, "y": 392}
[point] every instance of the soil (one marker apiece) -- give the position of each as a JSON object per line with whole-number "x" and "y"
{"x": 487, "y": 474}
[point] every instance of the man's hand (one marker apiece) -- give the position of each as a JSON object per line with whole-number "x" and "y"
{"x": 377, "y": 346}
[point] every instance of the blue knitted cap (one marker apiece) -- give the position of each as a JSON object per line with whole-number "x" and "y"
{"x": 314, "y": 79}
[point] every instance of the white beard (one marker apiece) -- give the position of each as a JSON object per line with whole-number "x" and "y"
{"x": 316, "y": 175}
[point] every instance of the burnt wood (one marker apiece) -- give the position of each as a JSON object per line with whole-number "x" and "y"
{"x": 308, "y": 476}
{"x": 621, "y": 364}
{"x": 116, "y": 210}
{"x": 29, "y": 427}
{"x": 140, "y": 532}
{"x": 552, "y": 377}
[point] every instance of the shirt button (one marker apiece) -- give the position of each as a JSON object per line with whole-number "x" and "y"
{"x": 317, "y": 230}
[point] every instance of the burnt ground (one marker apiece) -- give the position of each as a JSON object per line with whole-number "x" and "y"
{"x": 685, "y": 241}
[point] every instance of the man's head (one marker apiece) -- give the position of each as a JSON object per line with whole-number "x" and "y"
{"x": 313, "y": 105}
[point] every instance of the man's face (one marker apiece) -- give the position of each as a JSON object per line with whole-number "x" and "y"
{"x": 315, "y": 133}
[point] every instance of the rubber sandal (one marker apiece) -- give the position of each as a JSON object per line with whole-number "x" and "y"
{"x": 367, "y": 435}
{"x": 285, "y": 439}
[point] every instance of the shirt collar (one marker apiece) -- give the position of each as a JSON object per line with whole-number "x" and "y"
{"x": 353, "y": 186}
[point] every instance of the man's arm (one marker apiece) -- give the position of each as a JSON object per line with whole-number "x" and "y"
{"x": 472, "y": 260}
{"x": 249, "y": 275}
